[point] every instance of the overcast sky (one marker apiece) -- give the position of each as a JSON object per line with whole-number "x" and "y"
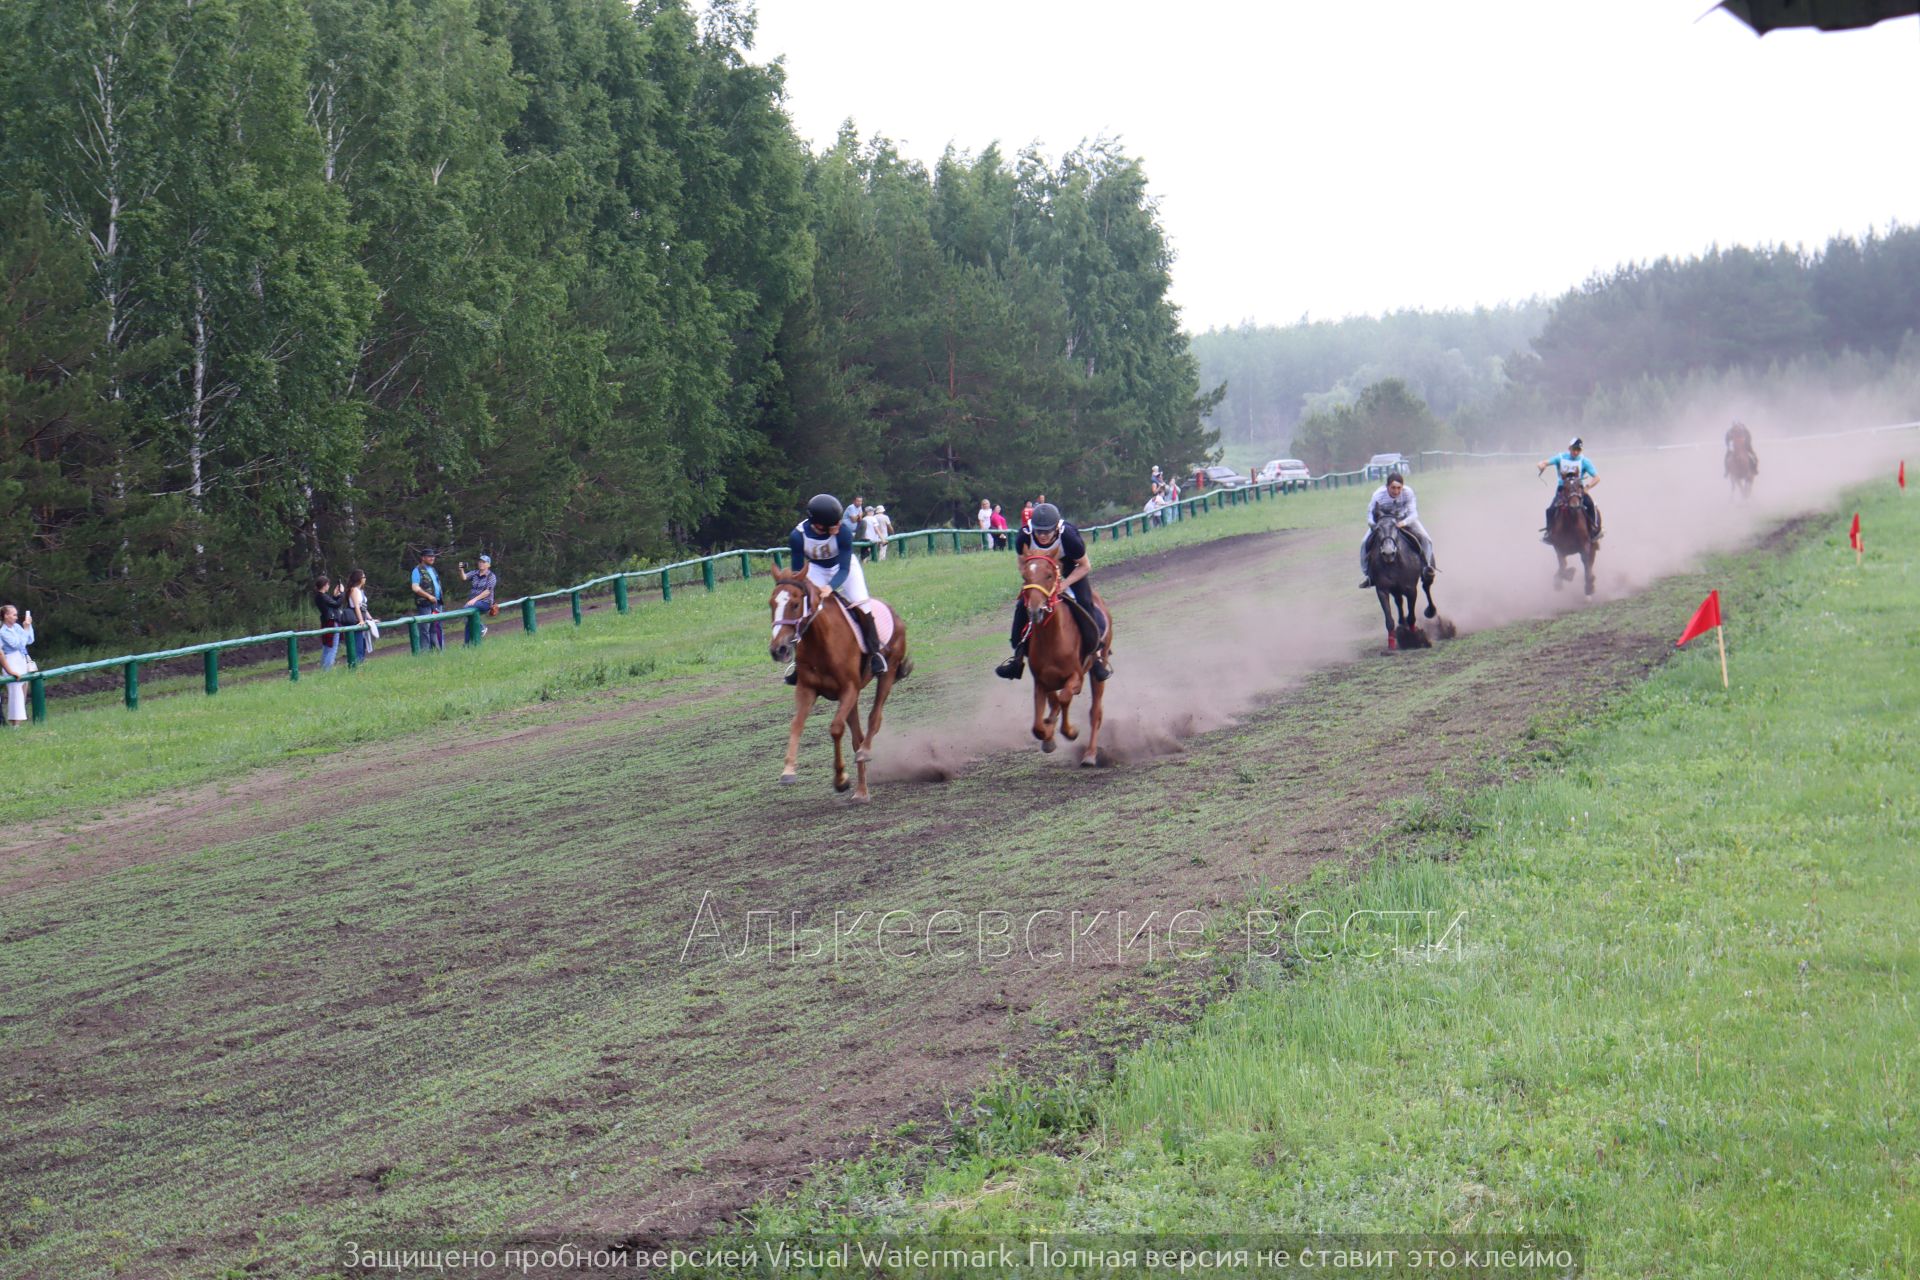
{"x": 1352, "y": 156}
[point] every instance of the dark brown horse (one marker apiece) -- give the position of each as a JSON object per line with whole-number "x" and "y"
{"x": 1568, "y": 531}
{"x": 1742, "y": 465}
{"x": 1054, "y": 658}
{"x": 813, "y": 633}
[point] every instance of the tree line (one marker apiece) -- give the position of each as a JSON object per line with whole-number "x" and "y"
{"x": 302, "y": 284}
{"x": 1636, "y": 351}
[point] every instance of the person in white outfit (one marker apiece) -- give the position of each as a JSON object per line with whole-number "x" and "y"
{"x": 823, "y": 543}
{"x": 879, "y": 529}
{"x": 15, "y": 635}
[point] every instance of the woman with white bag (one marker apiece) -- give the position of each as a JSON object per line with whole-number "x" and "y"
{"x": 15, "y": 636}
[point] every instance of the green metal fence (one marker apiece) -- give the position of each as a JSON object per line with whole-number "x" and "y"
{"x": 723, "y": 565}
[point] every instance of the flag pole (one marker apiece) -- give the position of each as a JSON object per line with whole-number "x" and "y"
{"x": 1720, "y": 634}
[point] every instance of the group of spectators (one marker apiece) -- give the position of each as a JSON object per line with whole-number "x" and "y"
{"x": 1165, "y": 492}
{"x": 993, "y": 522}
{"x": 344, "y": 603}
{"x": 870, "y": 524}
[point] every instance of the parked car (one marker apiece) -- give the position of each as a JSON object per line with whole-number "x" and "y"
{"x": 1283, "y": 469}
{"x": 1381, "y": 463}
{"x": 1221, "y": 478}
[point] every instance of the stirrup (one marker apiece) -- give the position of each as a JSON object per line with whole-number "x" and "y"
{"x": 877, "y": 662}
{"x": 1013, "y": 668}
{"x": 793, "y": 674}
{"x": 1366, "y": 582}
{"x": 1100, "y": 671}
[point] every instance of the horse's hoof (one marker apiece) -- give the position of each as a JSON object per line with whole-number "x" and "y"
{"x": 843, "y": 784}
{"x": 1091, "y": 760}
{"x": 1071, "y": 735}
{"x": 1049, "y": 746}
{"x": 862, "y": 757}
{"x": 788, "y": 779}
{"x": 859, "y": 797}
{"x": 1432, "y": 612}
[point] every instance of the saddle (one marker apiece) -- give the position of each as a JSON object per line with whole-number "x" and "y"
{"x": 881, "y": 613}
{"x": 1102, "y": 620}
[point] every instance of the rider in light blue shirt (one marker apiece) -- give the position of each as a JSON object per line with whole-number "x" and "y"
{"x": 1573, "y": 460}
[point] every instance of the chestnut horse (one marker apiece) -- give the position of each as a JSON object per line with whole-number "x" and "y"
{"x": 1567, "y": 530}
{"x": 1053, "y": 656}
{"x": 813, "y": 633}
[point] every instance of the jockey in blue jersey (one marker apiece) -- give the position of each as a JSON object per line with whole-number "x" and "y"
{"x": 1395, "y": 498}
{"x": 1573, "y": 461}
{"x": 1049, "y": 535}
{"x": 823, "y": 544}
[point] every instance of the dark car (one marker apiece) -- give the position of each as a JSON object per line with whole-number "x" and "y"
{"x": 1223, "y": 478}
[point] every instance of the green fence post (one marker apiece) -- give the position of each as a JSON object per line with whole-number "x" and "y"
{"x": 574, "y": 598}
{"x": 620, "y": 595}
{"x": 930, "y": 546}
{"x": 666, "y": 587}
{"x": 293, "y": 657}
{"x": 352, "y": 640}
{"x": 956, "y": 542}
{"x": 133, "y": 686}
{"x": 529, "y": 617}
{"x": 474, "y": 627}
{"x": 413, "y": 635}
{"x": 706, "y": 573}
{"x": 212, "y": 662}
{"x": 37, "y": 697}
{"x": 746, "y": 570}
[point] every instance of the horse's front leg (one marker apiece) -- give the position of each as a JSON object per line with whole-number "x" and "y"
{"x": 849, "y": 698}
{"x": 1586, "y": 560}
{"x": 803, "y": 699}
{"x": 1386, "y": 612}
{"x": 1561, "y": 574}
{"x": 1065, "y": 699}
{"x": 1042, "y": 716}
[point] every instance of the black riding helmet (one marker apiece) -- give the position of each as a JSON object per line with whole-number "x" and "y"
{"x": 824, "y": 510}
{"x": 1046, "y": 518}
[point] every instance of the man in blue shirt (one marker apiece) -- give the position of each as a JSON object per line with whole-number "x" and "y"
{"x": 426, "y": 597}
{"x": 1573, "y": 461}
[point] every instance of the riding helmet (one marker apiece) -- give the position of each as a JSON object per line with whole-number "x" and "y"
{"x": 824, "y": 510}
{"x": 1578, "y": 443}
{"x": 1046, "y": 517}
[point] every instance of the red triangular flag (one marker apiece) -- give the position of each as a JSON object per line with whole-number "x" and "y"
{"x": 1705, "y": 619}
{"x": 1853, "y": 534}
{"x": 1903, "y": 473}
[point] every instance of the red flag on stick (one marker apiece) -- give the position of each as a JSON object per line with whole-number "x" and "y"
{"x": 1903, "y": 473}
{"x": 1707, "y": 618}
{"x": 1853, "y": 538}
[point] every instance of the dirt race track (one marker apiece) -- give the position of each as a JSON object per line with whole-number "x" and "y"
{"x": 507, "y": 981}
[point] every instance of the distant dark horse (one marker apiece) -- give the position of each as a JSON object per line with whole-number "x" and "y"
{"x": 1393, "y": 562}
{"x": 1567, "y": 530}
{"x": 1741, "y": 467}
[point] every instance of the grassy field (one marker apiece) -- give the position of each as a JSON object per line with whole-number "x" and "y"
{"x": 1679, "y": 1021}
{"x": 81, "y": 759}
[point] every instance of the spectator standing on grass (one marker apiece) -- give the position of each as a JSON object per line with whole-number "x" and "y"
{"x": 329, "y": 604}
{"x": 984, "y": 516}
{"x": 880, "y": 529}
{"x": 481, "y": 584}
{"x": 426, "y": 597}
{"x": 999, "y": 528}
{"x": 354, "y": 613}
{"x": 856, "y": 510}
{"x": 16, "y": 633}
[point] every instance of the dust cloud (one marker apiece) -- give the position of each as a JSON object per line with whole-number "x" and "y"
{"x": 1212, "y": 631}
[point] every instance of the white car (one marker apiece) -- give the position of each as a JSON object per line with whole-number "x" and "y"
{"x": 1283, "y": 469}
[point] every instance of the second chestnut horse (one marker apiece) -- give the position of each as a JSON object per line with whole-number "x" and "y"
{"x": 1058, "y": 667}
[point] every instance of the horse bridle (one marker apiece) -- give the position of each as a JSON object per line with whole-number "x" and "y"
{"x": 808, "y": 611}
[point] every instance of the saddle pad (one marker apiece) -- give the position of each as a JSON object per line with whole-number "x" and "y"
{"x": 882, "y": 621}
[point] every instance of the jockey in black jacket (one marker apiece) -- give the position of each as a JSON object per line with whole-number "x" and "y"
{"x": 1052, "y": 536}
